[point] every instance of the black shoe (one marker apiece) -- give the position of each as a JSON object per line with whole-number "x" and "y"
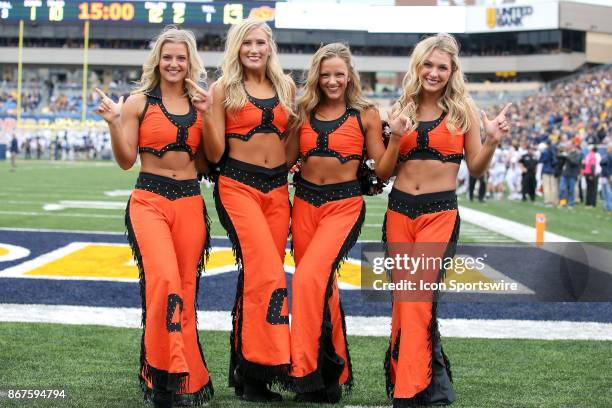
{"x": 253, "y": 390}
{"x": 333, "y": 393}
{"x": 330, "y": 395}
{"x": 318, "y": 396}
{"x": 258, "y": 391}
{"x": 238, "y": 386}
{"x": 163, "y": 399}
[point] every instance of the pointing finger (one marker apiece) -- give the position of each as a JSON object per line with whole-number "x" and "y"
{"x": 195, "y": 86}
{"x": 100, "y": 93}
{"x": 484, "y": 116}
{"x": 503, "y": 111}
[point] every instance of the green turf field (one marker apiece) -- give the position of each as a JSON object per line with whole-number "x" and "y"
{"x": 580, "y": 223}
{"x": 36, "y": 183}
{"x": 499, "y": 373}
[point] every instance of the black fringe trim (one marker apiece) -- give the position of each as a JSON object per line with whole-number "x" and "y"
{"x": 392, "y": 354}
{"x": 226, "y": 222}
{"x": 274, "y": 375}
{"x": 314, "y": 381}
{"x": 347, "y": 387}
{"x": 201, "y": 397}
{"x": 207, "y": 392}
{"x": 163, "y": 380}
{"x": 418, "y": 400}
{"x": 311, "y": 382}
{"x": 131, "y": 238}
{"x": 277, "y": 376}
{"x": 387, "y": 364}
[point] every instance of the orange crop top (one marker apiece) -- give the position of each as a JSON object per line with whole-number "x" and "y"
{"x": 342, "y": 138}
{"x": 161, "y": 131}
{"x": 257, "y": 116}
{"x": 432, "y": 141}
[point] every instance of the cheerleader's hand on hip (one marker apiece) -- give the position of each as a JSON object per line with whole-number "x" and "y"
{"x": 497, "y": 128}
{"x": 201, "y": 99}
{"x": 398, "y": 122}
{"x": 107, "y": 109}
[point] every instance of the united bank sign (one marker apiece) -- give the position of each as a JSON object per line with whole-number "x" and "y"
{"x": 533, "y": 16}
{"x": 508, "y": 16}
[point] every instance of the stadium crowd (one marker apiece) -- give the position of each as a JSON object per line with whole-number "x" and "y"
{"x": 560, "y": 146}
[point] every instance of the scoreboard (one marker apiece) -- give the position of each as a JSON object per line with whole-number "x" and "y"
{"x": 192, "y": 13}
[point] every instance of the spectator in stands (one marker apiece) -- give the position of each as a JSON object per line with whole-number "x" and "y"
{"x": 528, "y": 169}
{"x": 592, "y": 170}
{"x": 571, "y": 170}
{"x": 606, "y": 178}
{"x": 550, "y": 183}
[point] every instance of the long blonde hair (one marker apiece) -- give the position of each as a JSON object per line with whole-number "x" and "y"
{"x": 151, "y": 76}
{"x": 232, "y": 76}
{"x": 455, "y": 100}
{"x": 311, "y": 92}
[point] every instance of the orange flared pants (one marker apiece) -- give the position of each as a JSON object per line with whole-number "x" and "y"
{"x": 417, "y": 370}
{"x": 168, "y": 233}
{"x": 326, "y": 222}
{"x": 253, "y": 207}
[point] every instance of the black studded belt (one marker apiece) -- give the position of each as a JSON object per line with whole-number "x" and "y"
{"x": 414, "y": 206}
{"x": 318, "y": 195}
{"x": 261, "y": 178}
{"x": 166, "y": 187}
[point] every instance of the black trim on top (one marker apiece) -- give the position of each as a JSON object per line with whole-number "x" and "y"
{"x": 423, "y": 151}
{"x": 324, "y": 128}
{"x": 181, "y": 122}
{"x": 267, "y": 118}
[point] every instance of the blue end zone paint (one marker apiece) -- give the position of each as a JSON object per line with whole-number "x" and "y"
{"x": 217, "y": 292}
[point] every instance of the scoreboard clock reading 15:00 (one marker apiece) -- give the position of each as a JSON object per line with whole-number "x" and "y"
{"x": 101, "y": 11}
{"x": 136, "y": 12}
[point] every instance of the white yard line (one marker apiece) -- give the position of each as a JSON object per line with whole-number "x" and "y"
{"x": 72, "y": 215}
{"x": 597, "y": 257}
{"x": 356, "y": 325}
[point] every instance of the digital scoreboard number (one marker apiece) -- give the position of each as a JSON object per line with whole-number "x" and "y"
{"x": 136, "y": 12}
{"x": 123, "y": 11}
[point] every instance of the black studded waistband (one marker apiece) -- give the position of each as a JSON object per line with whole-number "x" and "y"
{"x": 318, "y": 195}
{"x": 167, "y": 187}
{"x": 261, "y": 178}
{"x": 414, "y": 206}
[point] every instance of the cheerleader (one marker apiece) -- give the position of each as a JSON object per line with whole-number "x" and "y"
{"x": 251, "y": 108}
{"x": 335, "y": 123}
{"x": 423, "y": 209}
{"x": 165, "y": 217}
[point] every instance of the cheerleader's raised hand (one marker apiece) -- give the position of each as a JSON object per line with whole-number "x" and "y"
{"x": 109, "y": 110}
